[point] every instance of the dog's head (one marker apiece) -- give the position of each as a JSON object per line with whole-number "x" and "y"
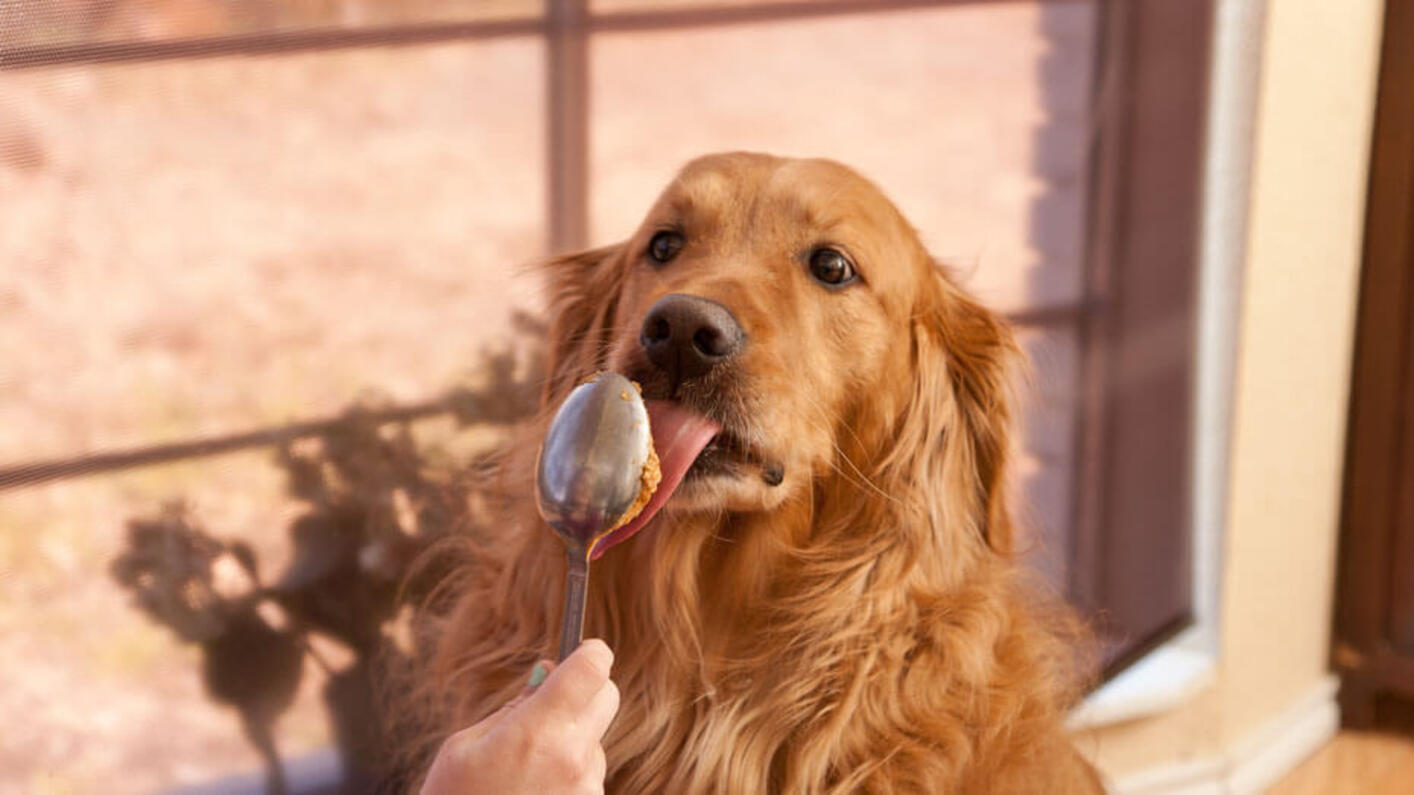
{"x": 792, "y": 336}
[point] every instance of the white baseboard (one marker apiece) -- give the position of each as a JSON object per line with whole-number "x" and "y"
{"x": 1285, "y": 742}
{"x": 1255, "y": 762}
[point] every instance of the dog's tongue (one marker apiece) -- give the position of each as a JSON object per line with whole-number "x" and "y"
{"x": 679, "y": 436}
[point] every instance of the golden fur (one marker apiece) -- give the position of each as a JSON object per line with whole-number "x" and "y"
{"x": 859, "y": 627}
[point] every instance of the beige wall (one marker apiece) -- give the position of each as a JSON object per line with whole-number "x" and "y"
{"x": 1313, "y": 122}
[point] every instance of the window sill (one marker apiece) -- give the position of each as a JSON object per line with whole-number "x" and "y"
{"x": 1169, "y": 677}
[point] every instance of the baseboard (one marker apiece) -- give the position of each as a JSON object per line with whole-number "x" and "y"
{"x": 1277, "y": 748}
{"x": 1255, "y": 762}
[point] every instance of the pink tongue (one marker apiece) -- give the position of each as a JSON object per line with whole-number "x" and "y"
{"x": 678, "y": 436}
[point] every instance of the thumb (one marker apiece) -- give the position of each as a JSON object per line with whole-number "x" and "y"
{"x": 538, "y": 674}
{"x": 537, "y": 677}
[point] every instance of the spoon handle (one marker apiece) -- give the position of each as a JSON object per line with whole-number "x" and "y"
{"x": 576, "y": 583}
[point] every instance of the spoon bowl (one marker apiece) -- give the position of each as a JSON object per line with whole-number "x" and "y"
{"x": 590, "y": 468}
{"x": 589, "y": 474}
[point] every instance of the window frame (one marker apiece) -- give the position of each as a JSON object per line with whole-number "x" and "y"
{"x": 1147, "y": 157}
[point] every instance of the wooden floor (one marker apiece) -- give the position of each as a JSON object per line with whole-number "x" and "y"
{"x": 1355, "y": 763}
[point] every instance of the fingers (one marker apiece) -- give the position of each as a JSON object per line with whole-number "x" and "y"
{"x": 597, "y": 769}
{"x": 571, "y": 687}
{"x": 601, "y": 710}
{"x": 547, "y": 739}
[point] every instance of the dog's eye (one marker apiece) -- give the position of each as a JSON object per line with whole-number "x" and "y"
{"x": 664, "y": 246}
{"x": 831, "y": 267}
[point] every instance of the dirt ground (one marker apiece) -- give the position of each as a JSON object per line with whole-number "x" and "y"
{"x": 201, "y": 247}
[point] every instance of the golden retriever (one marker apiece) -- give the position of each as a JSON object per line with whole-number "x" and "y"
{"x": 826, "y": 601}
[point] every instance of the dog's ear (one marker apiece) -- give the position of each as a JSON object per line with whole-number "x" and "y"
{"x": 982, "y": 354}
{"x": 960, "y": 413}
{"x": 583, "y": 293}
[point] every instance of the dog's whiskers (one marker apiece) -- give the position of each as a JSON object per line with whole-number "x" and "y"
{"x": 863, "y": 481}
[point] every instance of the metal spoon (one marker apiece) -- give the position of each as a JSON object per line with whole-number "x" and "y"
{"x": 588, "y": 475}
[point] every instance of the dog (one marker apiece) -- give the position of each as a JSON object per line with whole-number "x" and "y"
{"x": 825, "y": 597}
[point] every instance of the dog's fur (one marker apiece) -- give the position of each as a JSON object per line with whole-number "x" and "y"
{"x": 859, "y": 627}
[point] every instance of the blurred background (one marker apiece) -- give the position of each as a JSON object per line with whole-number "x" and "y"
{"x": 264, "y": 302}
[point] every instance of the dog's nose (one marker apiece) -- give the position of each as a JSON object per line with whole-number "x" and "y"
{"x": 686, "y": 336}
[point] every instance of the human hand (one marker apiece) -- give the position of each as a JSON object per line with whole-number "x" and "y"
{"x": 546, "y": 740}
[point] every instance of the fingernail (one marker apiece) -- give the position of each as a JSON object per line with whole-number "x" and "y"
{"x": 538, "y": 674}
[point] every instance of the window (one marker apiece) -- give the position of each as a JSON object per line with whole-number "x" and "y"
{"x": 239, "y": 215}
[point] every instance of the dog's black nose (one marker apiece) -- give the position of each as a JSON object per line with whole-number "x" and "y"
{"x": 686, "y": 336}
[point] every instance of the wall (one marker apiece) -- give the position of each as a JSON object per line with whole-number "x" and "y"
{"x": 1305, "y": 213}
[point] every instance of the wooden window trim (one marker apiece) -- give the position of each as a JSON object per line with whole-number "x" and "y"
{"x": 1374, "y": 590}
